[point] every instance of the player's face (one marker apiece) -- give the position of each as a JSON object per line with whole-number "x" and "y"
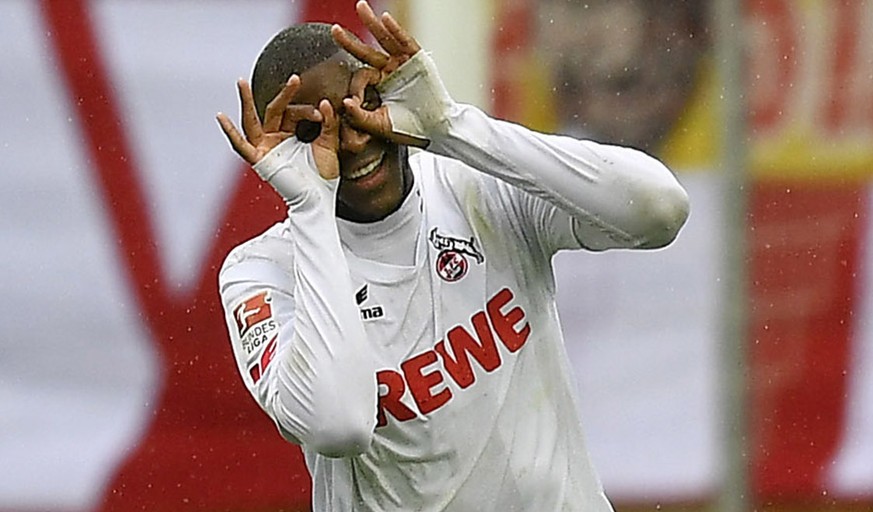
{"x": 371, "y": 168}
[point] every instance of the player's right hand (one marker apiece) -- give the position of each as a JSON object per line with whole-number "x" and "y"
{"x": 280, "y": 121}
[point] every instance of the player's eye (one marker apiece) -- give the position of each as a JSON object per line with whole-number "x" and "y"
{"x": 372, "y": 101}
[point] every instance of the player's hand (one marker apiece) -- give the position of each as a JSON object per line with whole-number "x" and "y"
{"x": 363, "y": 108}
{"x": 280, "y": 121}
{"x": 414, "y": 102}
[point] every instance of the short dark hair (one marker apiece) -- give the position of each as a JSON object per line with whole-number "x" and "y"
{"x": 293, "y": 50}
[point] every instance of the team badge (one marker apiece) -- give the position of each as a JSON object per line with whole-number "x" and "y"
{"x": 451, "y": 262}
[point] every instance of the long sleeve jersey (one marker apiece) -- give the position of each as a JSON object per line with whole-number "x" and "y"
{"x": 442, "y": 384}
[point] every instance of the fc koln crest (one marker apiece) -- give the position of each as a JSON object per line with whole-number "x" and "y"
{"x": 451, "y": 262}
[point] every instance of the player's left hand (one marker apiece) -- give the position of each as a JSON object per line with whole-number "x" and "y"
{"x": 401, "y": 117}
{"x": 363, "y": 109}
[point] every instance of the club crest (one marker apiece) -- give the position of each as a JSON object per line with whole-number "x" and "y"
{"x": 451, "y": 262}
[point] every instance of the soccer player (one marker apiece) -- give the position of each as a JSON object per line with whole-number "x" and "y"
{"x": 400, "y": 323}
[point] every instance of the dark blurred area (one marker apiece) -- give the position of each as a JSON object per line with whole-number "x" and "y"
{"x": 623, "y": 70}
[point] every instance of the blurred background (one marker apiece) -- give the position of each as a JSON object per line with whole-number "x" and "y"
{"x": 731, "y": 371}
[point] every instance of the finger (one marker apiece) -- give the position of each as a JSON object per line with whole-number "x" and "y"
{"x": 362, "y": 51}
{"x": 374, "y": 122}
{"x": 237, "y": 141}
{"x": 276, "y": 108}
{"x": 326, "y": 146}
{"x": 377, "y": 122}
{"x": 377, "y": 28}
{"x": 409, "y": 44}
{"x": 297, "y": 113}
{"x": 330, "y": 123}
{"x": 251, "y": 125}
{"x": 300, "y": 111}
{"x": 361, "y": 79}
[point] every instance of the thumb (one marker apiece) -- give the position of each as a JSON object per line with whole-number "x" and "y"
{"x": 374, "y": 122}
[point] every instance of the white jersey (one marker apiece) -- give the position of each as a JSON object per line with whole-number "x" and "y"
{"x": 439, "y": 383}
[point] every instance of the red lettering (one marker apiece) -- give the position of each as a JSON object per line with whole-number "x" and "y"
{"x": 421, "y": 384}
{"x": 464, "y": 346}
{"x": 258, "y": 370}
{"x": 504, "y": 324}
{"x": 268, "y": 353}
{"x": 390, "y": 401}
{"x": 483, "y": 351}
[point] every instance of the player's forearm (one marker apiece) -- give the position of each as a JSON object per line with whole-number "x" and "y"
{"x": 619, "y": 197}
{"x": 324, "y": 390}
{"x": 629, "y": 196}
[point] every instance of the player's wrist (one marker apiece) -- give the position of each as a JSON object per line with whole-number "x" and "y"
{"x": 276, "y": 158}
{"x": 418, "y": 102}
{"x": 291, "y": 170}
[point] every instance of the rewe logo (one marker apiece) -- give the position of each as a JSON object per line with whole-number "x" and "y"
{"x": 423, "y": 375}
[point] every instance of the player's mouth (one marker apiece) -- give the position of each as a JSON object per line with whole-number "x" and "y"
{"x": 366, "y": 170}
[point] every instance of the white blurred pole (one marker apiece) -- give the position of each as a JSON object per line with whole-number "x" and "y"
{"x": 458, "y": 34}
{"x": 727, "y": 19}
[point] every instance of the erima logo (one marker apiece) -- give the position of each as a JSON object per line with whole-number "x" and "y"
{"x": 370, "y": 313}
{"x": 361, "y": 295}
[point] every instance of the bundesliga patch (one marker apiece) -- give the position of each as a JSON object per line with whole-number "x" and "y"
{"x": 254, "y": 321}
{"x": 451, "y": 262}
